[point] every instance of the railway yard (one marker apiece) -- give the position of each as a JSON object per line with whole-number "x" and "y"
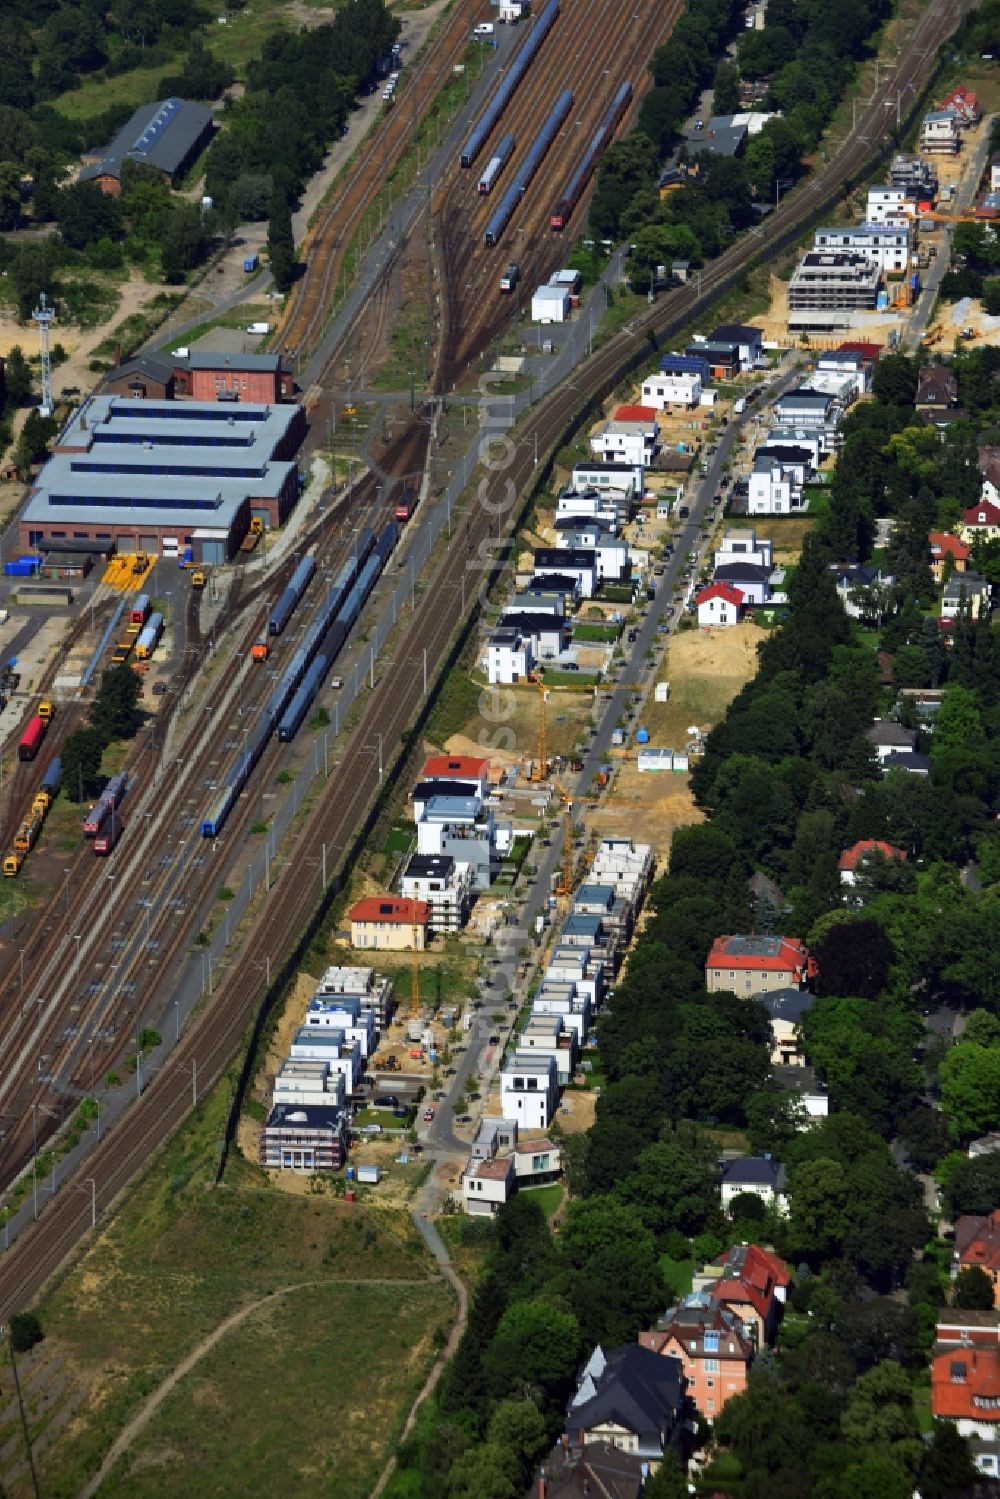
{"x": 106, "y": 948}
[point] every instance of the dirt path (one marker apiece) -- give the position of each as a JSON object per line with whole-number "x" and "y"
{"x": 146, "y": 1412}
{"x": 439, "y": 1250}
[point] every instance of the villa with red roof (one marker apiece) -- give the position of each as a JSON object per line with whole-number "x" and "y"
{"x": 965, "y": 1388}
{"x": 753, "y": 1282}
{"x": 977, "y": 1242}
{"x": 389, "y": 923}
{"x": 944, "y": 548}
{"x": 719, "y": 605}
{"x": 982, "y": 520}
{"x": 751, "y": 965}
{"x": 859, "y": 853}
{"x": 965, "y": 102}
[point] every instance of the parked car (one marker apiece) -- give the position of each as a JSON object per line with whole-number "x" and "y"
{"x": 429, "y": 1113}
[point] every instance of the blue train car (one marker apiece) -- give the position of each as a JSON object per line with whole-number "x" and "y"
{"x": 287, "y": 604}
{"x": 522, "y": 62}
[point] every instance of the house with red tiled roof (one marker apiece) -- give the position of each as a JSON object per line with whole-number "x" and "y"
{"x": 959, "y": 1328}
{"x": 456, "y": 768}
{"x": 982, "y": 520}
{"x": 753, "y": 1283}
{"x": 947, "y": 548}
{"x": 965, "y": 102}
{"x": 388, "y": 923}
{"x": 753, "y": 965}
{"x": 965, "y": 1388}
{"x": 977, "y": 1242}
{"x": 859, "y": 853}
{"x": 719, "y": 605}
{"x": 646, "y": 414}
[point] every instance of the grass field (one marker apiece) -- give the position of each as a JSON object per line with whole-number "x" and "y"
{"x": 278, "y": 1398}
{"x": 178, "y": 1259}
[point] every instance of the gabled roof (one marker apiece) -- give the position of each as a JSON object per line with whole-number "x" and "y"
{"x": 757, "y": 1266}
{"x": 983, "y": 514}
{"x": 598, "y": 1469}
{"x": 150, "y": 365}
{"x": 977, "y": 1240}
{"x": 787, "y": 1004}
{"x": 157, "y": 135}
{"x": 944, "y": 544}
{"x": 864, "y": 848}
{"x": 965, "y": 1383}
{"x": 702, "y": 1321}
{"x": 884, "y": 731}
{"x": 391, "y": 909}
{"x": 726, "y": 591}
{"x": 741, "y": 333}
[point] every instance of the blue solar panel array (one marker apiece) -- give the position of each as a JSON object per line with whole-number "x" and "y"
{"x": 156, "y": 126}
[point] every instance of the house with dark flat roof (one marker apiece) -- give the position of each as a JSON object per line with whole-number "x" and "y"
{"x": 760, "y": 1174}
{"x": 749, "y": 341}
{"x": 167, "y": 136}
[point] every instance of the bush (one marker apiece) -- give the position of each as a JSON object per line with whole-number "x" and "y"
{"x": 25, "y": 1331}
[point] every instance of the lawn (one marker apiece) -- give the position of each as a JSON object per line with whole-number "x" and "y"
{"x": 549, "y": 1199}
{"x": 175, "y": 1261}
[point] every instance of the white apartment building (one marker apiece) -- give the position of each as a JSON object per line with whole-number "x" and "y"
{"x": 889, "y": 205}
{"x": 664, "y": 390}
{"x": 884, "y": 245}
{"x": 623, "y": 479}
{"x": 771, "y": 489}
{"x": 546, "y": 1035}
{"x": 833, "y": 281}
{"x": 301, "y": 1080}
{"x": 444, "y": 884}
{"x": 347, "y": 1015}
{"x": 331, "y": 1047}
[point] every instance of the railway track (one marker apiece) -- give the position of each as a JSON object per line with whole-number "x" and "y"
{"x": 212, "y": 1041}
{"x": 308, "y": 306}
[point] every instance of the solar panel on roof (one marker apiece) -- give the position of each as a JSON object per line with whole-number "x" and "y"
{"x": 157, "y": 126}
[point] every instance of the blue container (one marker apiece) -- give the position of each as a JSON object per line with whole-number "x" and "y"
{"x": 350, "y": 1173}
{"x": 251, "y": 262}
{"x": 642, "y": 736}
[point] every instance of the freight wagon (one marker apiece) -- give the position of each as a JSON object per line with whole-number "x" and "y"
{"x": 31, "y": 738}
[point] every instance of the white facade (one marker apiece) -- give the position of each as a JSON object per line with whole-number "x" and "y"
{"x": 611, "y": 478}
{"x": 886, "y": 246}
{"x": 487, "y": 1185}
{"x": 446, "y": 889}
{"x": 718, "y": 612}
{"x": 329, "y": 1046}
{"x": 309, "y": 1081}
{"x": 349, "y": 1016}
{"x": 770, "y": 490}
{"x": 529, "y": 1090}
{"x": 744, "y": 545}
{"x": 663, "y": 390}
{"x": 889, "y": 205}
{"x": 508, "y": 657}
{"x": 549, "y": 304}
{"x": 623, "y": 442}
{"x": 939, "y": 132}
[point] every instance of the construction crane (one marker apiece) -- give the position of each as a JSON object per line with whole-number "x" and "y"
{"x": 538, "y": 770}
{"x": 565, "y": 886}
{"x": 414, "y": 969}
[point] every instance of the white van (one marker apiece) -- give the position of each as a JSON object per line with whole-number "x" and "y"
{"x": 484, "y": 29}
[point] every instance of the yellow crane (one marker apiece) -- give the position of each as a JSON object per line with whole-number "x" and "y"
{"x": 565, "y": 886}
{"x": 540, "y": 766}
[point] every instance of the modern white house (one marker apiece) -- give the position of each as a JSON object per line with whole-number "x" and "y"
{"x": 624, "y": 442}
{"x": 742, "y": 544}
{"x": 347, "y": 1015}
{"x": 665, "y": 390}
{"x": 579, "y": 563}
{"x": 939, "y": 133}
{"x": 615, "y": 478}
{"x": 761, "y": 1175}
{"x": 529, "y": 1090}
{"x": 487, "y": 1183}
{"x": 308, "y": 1080}
{"x": 890, "y": 205}
{"x": 331, "y": 1047}
{"x": 545, "y": 1035}
{"x": 771, "y": 489}
{"x": 806, "y": 408}
{"x": 508, "y": 656}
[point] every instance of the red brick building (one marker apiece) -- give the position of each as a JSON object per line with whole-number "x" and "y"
{"x": 208, "y": 375}
{"x": 977, "y": 1243}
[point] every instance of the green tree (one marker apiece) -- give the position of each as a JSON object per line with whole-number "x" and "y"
{"x": 486, "y": 1472}
{"x": 17, "y": 377}
{"x": 113, "y": 714}
{"x": 281, "y": 242}
{"x": 973, "y": 1290}
{"x": 10, "y": 195}
{"x": 957, "y": 723}
{"x": 819, "y": 1202}
{"x": 536, "y": 1343}
{"x": 519, "y": 1427}
{"x": 81, "y": 763}
{"x": 969, "y": 1086}
{"x": 726, "y": 89}
{"x": 974, "y": 1185}
{"x": 948, "y": 1469}
{"x": 25, "y": 1331}
{"x": 879, "y": 1413}
{"x": 669, "y": 1481}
